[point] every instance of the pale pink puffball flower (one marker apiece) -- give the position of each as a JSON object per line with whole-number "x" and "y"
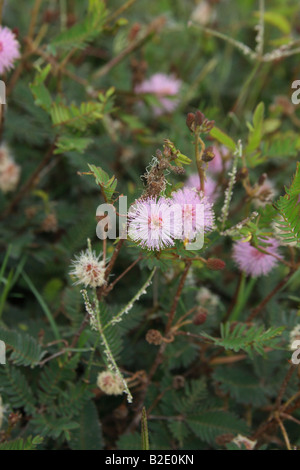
{"x": 197, "y": 213}
{"x": 152, "y": 223}
{"x": 162, "y": 86}
{"x": 254, "y": 262}
{"x": 9, "y": 49}
{"x": 210, "y": 188}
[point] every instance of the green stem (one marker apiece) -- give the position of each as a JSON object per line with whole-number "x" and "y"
{"x": 108, "y": 352}
{"x": 242, "y": 297}
{"x": 145, "y": 434}
{"x": 117, "y": 318}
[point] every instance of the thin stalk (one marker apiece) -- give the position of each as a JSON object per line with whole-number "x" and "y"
{"x": 199, "y": 151}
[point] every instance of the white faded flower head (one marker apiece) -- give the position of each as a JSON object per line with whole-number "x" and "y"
{"x": 9, "y": 171}
{"x": 204, "y": 13}
{"x": 294, "y": 336}
{"x": 110, "y": 383}
{"x": 239, "y": 440}
{"x": 265, "y": 193}
{"x": 88, "y": 269}
{"x": 206, "y": 298}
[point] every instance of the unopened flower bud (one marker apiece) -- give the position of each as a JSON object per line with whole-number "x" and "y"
{"x": 208, "y": 155}
{"x": 190, "y": 120}
{"x": 158, "y": 154}
{"x": 199, "y": 118}
{"x": 243, "y": 173}
{"x": 200, "y": 316}
{"x": 179, "y": 170}
{"x": 208, "y": 125}
{"x": 154, "y": 337}
{"x": 262, "y": 179}
{"x": 178, "y": 382}
{"x": 50, "y": 223}
{"x": 215, "y": 264}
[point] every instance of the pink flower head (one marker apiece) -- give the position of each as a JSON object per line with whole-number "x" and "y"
{"x": 152, "y": 223}
{"x": 253, "y": 261}
{"x": 218, "y": 164}
{"x": 197, "y": 214}
{"x": 9, "y": 49}
{"x": 162, "y": 86}
{"x": 210, "y": 188}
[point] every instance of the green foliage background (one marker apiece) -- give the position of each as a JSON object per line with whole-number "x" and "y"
{"x": 66, "y": 98}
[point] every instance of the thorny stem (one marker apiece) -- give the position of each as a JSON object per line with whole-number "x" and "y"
{"x": 84, "y": 323}
{"x": 267, "y": 299}
{"x": 160, "y": 353}
{"x": 177, "y": 296}
{"x": 1, "y": 10}
{"x": 108, "y": 352}
{"x": 101, "y": 290}
{"x": 114, "y": 258}
{"x": 34, "y": 16}
{"x": 120, "y": 10}
{"x": 284, "y": 433}
{"x": 272, "y": 421}
{"x": 154, "y": 27}
{"x": 229, "y": 191}
{"x": 158, "y": 359}
{"x": 284, "y": 385}
{"x": 198, "y": 155}
{"x": 112, "y": 285}
{"x": 126, "y": 309}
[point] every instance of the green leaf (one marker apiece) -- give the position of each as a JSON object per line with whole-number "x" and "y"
{"x": 223, "y": 138}
{"x": 288, "y": 206}
{"x": 241, "y": 385}
{"x": 79, "y": 35}
{"x": 279, "y": 21}
{"x": 256, "y": 130}
{"x": 40, "y": 92}
{"x": 70, "y": 143}
{"x": 241, "y": 337}
{"x": 107, "y": 184}
{"x": 14, "y": 384}
{"x": 31, "y": 443}
{"x": 211, "y": 424}
{"x": 26, "y": 351}
{"x": 89, "y": 434}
